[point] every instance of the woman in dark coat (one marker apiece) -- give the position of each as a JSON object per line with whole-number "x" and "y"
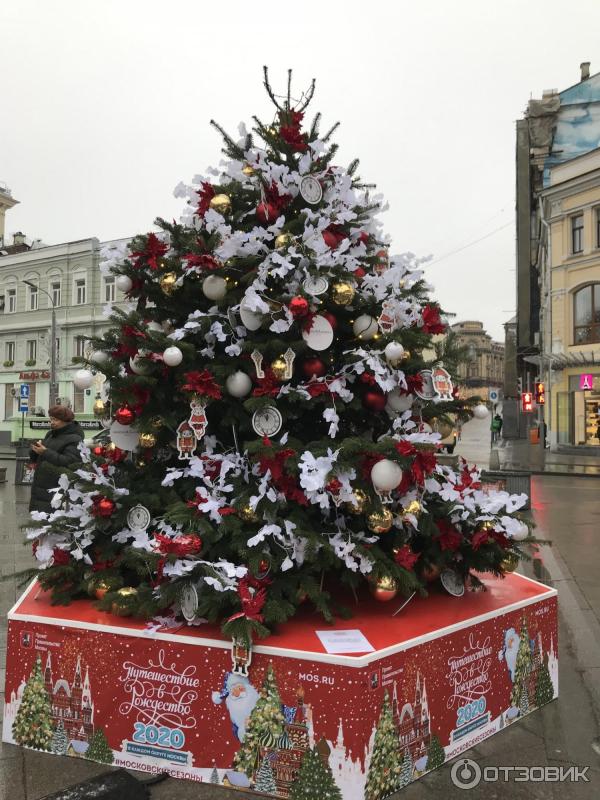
{"x": 59, "y": 449}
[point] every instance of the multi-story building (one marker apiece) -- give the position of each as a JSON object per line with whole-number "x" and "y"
{"x": 67, "y": 276}
{"x": 569, "y": 357}
{"x": 484, "y": 369}
{"x": 556, "y": 128}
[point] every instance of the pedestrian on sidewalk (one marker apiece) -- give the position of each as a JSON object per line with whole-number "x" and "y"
{"x": 60, "y": 449}
{"x": 496, "y": 427}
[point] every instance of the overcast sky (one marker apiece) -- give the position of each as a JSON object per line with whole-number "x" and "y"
{"x": 105, "y": 108}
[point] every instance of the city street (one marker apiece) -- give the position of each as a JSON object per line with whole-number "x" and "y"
{"x": 564, "y": 733}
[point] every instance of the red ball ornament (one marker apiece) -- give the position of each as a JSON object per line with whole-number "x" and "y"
{"x": 188, "y": 544}
{"x": 331, "y": 239}
{"x": 267, "y": 212}
{"x": 359, "y": 273}
{"x": 104, "y": 467}
{"x": 374, "y": 401}
{"x": 363, "y": 237}
{"x": 330, "y": 318}
{"x": 104, "y": 507}
{"x": 124, "y": 415}
{"x": 98, "y": 450}
{"x": 298, "y": 307}
{"x": 313, "y": 366}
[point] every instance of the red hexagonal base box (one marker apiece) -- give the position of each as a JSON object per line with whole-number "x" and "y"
{"x": 425, "y": 685}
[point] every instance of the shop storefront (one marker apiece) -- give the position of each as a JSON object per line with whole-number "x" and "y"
{"x": 578, "y": 410}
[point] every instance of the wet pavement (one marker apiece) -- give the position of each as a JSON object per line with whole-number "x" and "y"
{"x": 563, "y": 733}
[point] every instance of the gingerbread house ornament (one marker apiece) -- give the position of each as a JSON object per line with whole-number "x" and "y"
{"x": 186, "y": 440}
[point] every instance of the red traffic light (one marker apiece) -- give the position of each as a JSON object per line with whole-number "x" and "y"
{"x": 527, "y": 401}
{"x": 540, "y": 394}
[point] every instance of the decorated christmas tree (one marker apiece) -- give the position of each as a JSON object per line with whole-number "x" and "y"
{"x": 406, "y": 768}
{"x": 99, "y": 749}
{"x": 264, "y": 778}
{"x": 386, "y": 761}
{"x": 33, "y": 722}
{"x": 435, "y": 754}
{"x": 273, "y": 403}
{"x": 60, "y": 740}
{"x": 264, "y": 727}
{"x": 544, "y": 690}
{"x": 315, "y": 780}
{"x": 520, "y": 696}
{"x": 214, "y": 776}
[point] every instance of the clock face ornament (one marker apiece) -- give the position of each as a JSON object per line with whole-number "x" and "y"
{"x": 267, "y": 421}
{"x": 188, "y": 599}
{"x": 452, "y": 582}
{"x": 138, "y": 518}
{"x": 315, "y": 285}
{"x": 311, "y": 190}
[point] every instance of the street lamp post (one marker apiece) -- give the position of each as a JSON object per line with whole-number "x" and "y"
{"x": 53, "y": 385}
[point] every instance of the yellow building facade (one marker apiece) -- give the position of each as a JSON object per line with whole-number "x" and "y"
{"x": 569, "y": 362}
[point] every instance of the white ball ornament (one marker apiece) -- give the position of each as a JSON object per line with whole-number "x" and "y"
{"x": 124, "y": 283}
{"x": 99, "y": 357}
{"x": 365, "y": 327}
{"x": 155, "y": 327}
{"x": 393, "y": 353}
{"x": 520, "y": 533}
{"x": 214, "y": 287}
{"x": 83, "y": 379}
{"x": 172, "y": 356}
{"x": 399, "y": 402}
{"x": 480, "y": 411}
{"x": 136, "y": 366}
{"x": 238, "y": 384}
{"x": 386, "y": 475}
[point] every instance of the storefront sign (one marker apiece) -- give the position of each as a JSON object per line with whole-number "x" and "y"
{"x": 586, "y": 381}
{"x": 43, "y": 424}
{"x": 44, "y": 375}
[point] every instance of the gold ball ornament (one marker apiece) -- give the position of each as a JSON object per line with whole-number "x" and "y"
{"x": 283, "y": 240}
{"x": 414, "y": 507}
{"x": 156, "y": 423}
{"x": 361, "y": 501}
{"x": 279, "y": 368}
{"x": 431, "y": 573}
{"x": 406, "y": 355}
{"x": 380, "y": 521}
{"x": 221, "y": 203}
{"x": 443, "y": 428}
{"x": 384, "y": 588}
{"x": 147, "y": 440}
{"x": 122, "y": 605}
{"x": 248, "y": 514}
{"x": 167, "y": 282}
{"x": 342, "y": 293}
{"x": 248, "y": 170}
{"x": 99, "y": 407}
{"x": 510, "y": 562}
{"x": 488, "y": 525}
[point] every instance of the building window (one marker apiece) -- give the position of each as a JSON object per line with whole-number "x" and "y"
{"x": 109, "y": 289}
{"x": 9, "y": 352}
{"x": 587, "y": 314}
{"x": 577, "y": 234}
{"x": 80, "y": 291}
{"x": 10, "y": 402}
{"x": 33, "y": 298}
{"x": 55, "y": 292}
{"x": 31, "y": 350}
{"x": 79, "y": 348}
{"x": 11, "y": 301}
{"x": 78, "y": 400}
